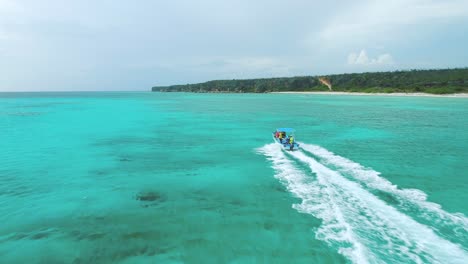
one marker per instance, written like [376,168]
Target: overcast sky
[133,45]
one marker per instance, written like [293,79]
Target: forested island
[443,81]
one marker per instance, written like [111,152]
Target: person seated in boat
[276,134]
[291,142]
[280,137]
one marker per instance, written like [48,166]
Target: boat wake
[357,221]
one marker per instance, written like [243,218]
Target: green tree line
[442,81]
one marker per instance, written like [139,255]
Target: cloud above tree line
[362,58]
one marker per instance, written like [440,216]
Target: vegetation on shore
[443,81]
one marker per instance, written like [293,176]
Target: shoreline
[459,95]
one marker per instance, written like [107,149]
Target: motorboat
[283,137]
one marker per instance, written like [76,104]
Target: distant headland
[440,81]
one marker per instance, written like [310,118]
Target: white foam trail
[364,228]
[409,197]
[373,220]
[319,202]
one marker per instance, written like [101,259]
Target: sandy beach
[459,95]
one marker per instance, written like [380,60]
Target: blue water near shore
[195,178]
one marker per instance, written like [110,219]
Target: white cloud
[385,59]
[363,59]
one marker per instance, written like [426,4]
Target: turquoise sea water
[195,178]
